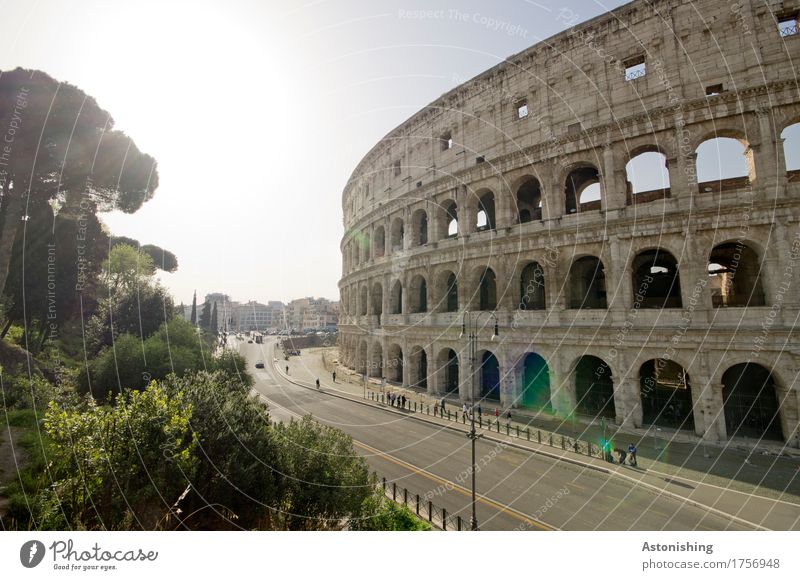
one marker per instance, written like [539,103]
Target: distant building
[312,313]
[253,315]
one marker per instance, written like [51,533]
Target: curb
[616,473]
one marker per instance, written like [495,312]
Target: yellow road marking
[462,490]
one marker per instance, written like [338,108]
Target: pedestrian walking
[508,416]
[464,409]
[632,453]
[442,405]
[317,384]
[403,401]
[334,376]
[480,412]
[621,455]
[287,369]
[496,414]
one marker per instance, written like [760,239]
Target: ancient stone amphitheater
[605,224]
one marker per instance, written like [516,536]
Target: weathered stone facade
[505,158]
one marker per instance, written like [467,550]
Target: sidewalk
[763,489]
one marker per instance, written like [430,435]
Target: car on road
[249,342]
[260,364]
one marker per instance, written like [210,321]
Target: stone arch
[656,280]
[361,357]
[536,392]
[394,363]
[751,404]
[376,297]
[485,217]
[418,368]
[734,272]
[446,291]
[418,294]
[447,370]
[419,227]
[448,219]
[594,387]
[724,161]
[376,360]
[532,287]
[379,242]
[647,173]
[529,200]
[396,298]
[487,290]
[666,394]
[582,189]
[398,234]
[489,375]
[362,300]
[791,149]
[587,283]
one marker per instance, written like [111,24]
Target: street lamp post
[467,324]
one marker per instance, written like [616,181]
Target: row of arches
[734,270]
[722,163]
[750,396]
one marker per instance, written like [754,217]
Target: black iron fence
[424,508]
[496,425]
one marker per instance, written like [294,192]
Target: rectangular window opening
[480,159]
[574,129]
[635,68]
[788,26]
[446,141]
[712,90]
[522,109]
[397,168]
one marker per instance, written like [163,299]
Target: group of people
[397,400]
[622,454]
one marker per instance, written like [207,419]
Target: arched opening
[648,177]
[582,189]
[419,368]
[419,223]
[419,294]
[536,383]
[354,251]
[751,403]
[376,361]
[377,299]
[362,301]
[361,359]
[487,290]
[448,360]
[353,302]
[394,364]
[734,277]
[791,151]
[446,292]
[594,388]
[529,201]
[398,234]
[587,283]
[531,282]
[656,282]
[452,293]
[490,376]
[396,298]
[724,163]
[379,242]
[449,219]
[486,216]
[666,395]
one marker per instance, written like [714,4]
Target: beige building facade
[512,203]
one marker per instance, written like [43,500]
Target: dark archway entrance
[594,388]
[751,403]
[536,383]
[666,395]
[490,377]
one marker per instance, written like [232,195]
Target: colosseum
[603,225]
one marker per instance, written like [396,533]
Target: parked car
[260,364]
[249,342]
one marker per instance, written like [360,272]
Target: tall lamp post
[469,328]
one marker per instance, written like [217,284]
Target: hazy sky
[257,112]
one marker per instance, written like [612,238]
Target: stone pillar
[553,203]
[628,402]
[467,213]
[510,383]
[562,391]
[612,184]
[683,167]
[467,381]
[767,166]
[709,413]
[623,298]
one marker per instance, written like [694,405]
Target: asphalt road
[517,489]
